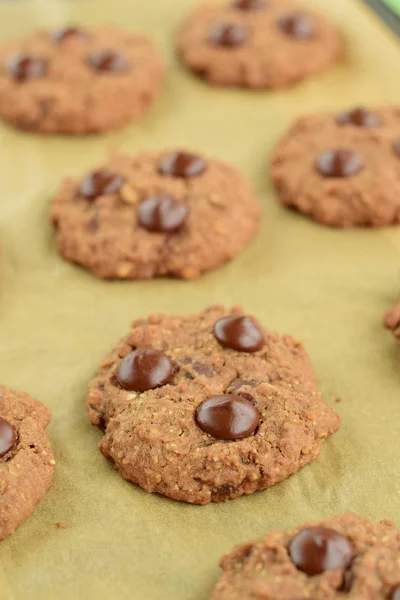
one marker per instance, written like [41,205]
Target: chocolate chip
[144,370]
[297,25]
[162,214]
[107,61]
[228,35]
[224,492]
[320,549]
[239,333]
[205,370]
[182,164]
[100,183]
[339,163]
[348,581]
[396,594]
[360,117]
[249,4]
[8,437]
[228,417]
[24,67]
[68,33]
[396,148]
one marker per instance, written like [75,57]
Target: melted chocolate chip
[249,4]
[23,67]
[360,117]
[107,61]
[8,437]
[239,333]
[228,417]
[100,183]
[297,25]
[396,594]
[144,370]
[228,35]
[320,549]
[339,163]
[68,33]
[396,148]
[162,214]
[182,164]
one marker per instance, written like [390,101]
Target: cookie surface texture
[26,459]
[155,214]
[257,44]
[76,80]
[208,407]
[342,169]
[345,557]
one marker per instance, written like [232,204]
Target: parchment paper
[327,287]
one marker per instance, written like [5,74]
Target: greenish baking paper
[327,287]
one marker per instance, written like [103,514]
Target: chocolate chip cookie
[391,321]
[159,213]
[346,556]
[26,458]
[78,80]
[342,169]
[257,43]
[208,407]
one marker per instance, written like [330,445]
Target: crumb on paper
[60,525]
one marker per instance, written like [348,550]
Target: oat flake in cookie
[26,458]
[342,169]
[78,80]
[170,213]
[208,407]
[345,557]
[257,43]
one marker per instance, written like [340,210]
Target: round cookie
[78,80]
[391,321]
[26,458]
[257,43]
[345,557]
[208,407]
[342,169]
[155,214]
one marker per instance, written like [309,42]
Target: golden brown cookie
[208,407]
[26,458]
[344,557]
[77,80]
[257,43]
[342,169]
[155,214]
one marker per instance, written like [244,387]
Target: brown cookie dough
[155,214]
[26,458]
[208,407]
[391,321]
[78,80]
[257,43]
[342,169]
[345,557]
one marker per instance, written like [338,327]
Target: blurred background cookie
[77,80]
[257,43]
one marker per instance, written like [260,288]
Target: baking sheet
[57,322]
